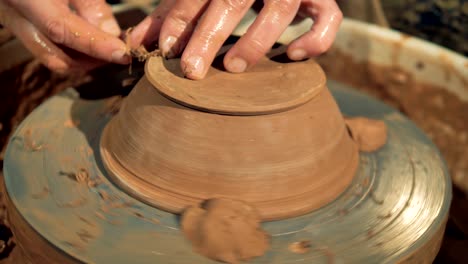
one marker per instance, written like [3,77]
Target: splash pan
[69,210]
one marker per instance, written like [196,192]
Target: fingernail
[110,26]
[194,67]
[120,56]
[56,64]
[167,47]
[237,65]
[298,54]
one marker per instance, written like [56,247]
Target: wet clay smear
[300,247]
[369,134]
[441,114]
[225,230]
[25,87]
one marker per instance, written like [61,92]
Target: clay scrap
[369,134]
[225,230]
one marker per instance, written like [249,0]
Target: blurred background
[444,22]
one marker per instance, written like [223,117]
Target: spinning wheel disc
[394,210]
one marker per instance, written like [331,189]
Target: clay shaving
[225,230]
[369,134]
[140,53]
[300,247]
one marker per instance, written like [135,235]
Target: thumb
[99,14]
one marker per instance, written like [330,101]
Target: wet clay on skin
[369,134]
[225,230]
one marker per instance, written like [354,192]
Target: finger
[273,19]
[46,52]
[218,22]
[327,19]
[81,62]
[147,32]
[63,27]
[98,13]
[179,25]
[41,48]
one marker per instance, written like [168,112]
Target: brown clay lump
[368,134]
[225,230]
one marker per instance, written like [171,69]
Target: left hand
[64,39]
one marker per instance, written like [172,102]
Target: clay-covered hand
[66,35]
[199,28]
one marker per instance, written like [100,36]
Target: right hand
[196,30]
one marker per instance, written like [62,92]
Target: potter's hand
[64,40]
[174,22]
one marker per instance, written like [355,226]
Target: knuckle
[237,5]
[256,48]
[55,30]
[92,48]
[335,13]
[55,65]
[338,15]
[96,6]
[286,7]
[87,3]
[208,37]
[322,47]
[180,19]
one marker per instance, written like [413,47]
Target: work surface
[84,93]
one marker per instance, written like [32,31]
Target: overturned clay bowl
[273,137]
[64,207]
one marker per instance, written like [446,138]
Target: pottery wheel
[69,210]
